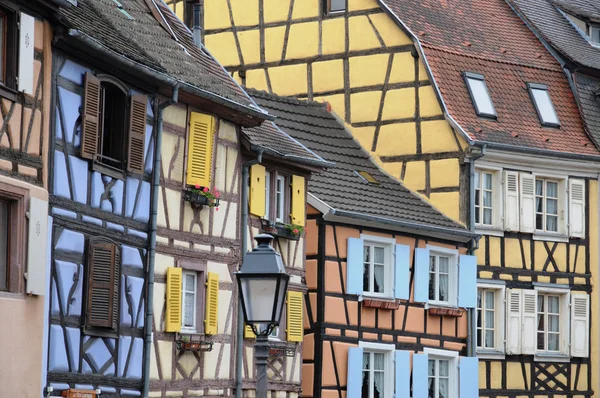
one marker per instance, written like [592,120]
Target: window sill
[491,231]
[7,294]
[8,93]
[543,357]
[490,354]
[109,171]
[544,236]
[440,305]
[191,332]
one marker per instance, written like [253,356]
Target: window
[335,6]
[114,125]
[480,96]
[595,35]
[546,205]
[548,325]
[483,198]
[377,267]
[280,199]
[103,277]
[9,50]
[490,318]
[191,295]
[4,244]
[367,177]
[543,104]
[377,370]
[439,278]
[277,197]
[12,242]
[442,373]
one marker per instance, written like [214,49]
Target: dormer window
[595,35]
[480,96]
[543,104]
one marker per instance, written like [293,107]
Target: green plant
[206,192]
[185,339]
[295,229]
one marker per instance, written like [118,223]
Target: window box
[452,312]
[198,200]
[193,345]
[386,305]
[279,230]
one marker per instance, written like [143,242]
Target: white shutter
[529,325]
[577,208]
[26,40]
[513,321]
[36,246]
[511,201]
[580,325]
[527,202]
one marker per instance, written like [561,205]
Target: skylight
[367,177]
[543,104]
[480,95]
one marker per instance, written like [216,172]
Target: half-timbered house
[388,276]
[118,66]
[25,90]
[483,123]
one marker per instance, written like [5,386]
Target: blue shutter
[401,274]
[421,270]
[419,376]
[402,374]
[355,360]
[354,266]
[468,379]
[467,282]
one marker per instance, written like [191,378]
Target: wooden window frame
[544,197]
[271,198]
[200,271]
[10,50]
[452,255]
[17,199]
[499,291]
[388,266]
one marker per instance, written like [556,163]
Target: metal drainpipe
[240,321]
[152,244]
[473,245]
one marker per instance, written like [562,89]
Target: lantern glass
[263,297]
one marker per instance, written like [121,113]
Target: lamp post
[262,284]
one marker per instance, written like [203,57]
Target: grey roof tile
[340,187]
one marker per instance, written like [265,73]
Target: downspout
[473,245]
[152,244]
[239,342]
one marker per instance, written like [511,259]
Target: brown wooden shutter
[137,133]
[103,285]
[90,127]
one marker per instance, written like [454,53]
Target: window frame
[271,178]
[499,290]
[200,310]
[10,51]
[452,358]
[559,204]
[479,207]
[452,255]
[564,293]
[477,76]
[542,87]
[388,245]
[17,198]
[591,29]
[389,373]
[326,4]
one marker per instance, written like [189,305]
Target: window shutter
[248,333]
[577,208]
[467,281]
[173,315]
[511,201]
[137,133]
[200,148]
[513,316]
[419,376]
[421,270]
[36,246]
[103,285]
[527,202]
[529,325]
[90,126]
[257,190]
[354,265]
[295,329]
[298,215]
[402,382]
[468,380]
[402,273]
[580,320]
[212,303]
[26,39]
[355,364]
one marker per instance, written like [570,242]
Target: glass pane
[487,216]
[379,255]
[478,337]
[544,106]
[443,264]
[432,287]
[487,181]
[366,360]
[188,310]
[489,338]
[431,367]
[262,290]
[551,223]
[552,342]
[489,300]
[540,341]
[541,323]
[551,189]
[539,205]
[431,388]
[479,297]
[553,325]
[479,318]
[489,319]
[443,288]
[481,97]
[3,245]
[487,199]
[367,251]
[539,187]
[551,206]
[541,303]
[366,279]
[190,283]
[553,302]
[477,182]
[432,264]
[444,365]
[338,5]
[378,286]
[378,361]
[477,216]
[365,385]
[443,388]
[539,220]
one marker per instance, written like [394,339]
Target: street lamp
[262,283]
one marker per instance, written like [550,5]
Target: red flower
[216,209]
[197,186]
[217,194]
[295,231]
[205,189]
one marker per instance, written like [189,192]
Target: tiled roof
[487,37]
[588,92]
[580,8]
[339,187]
[145,41]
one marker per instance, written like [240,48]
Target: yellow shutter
[298,201]
[257,190]
[212,304]
[200,146]
[248,333]
[173,315]
[295,329]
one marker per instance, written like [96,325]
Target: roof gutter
[534,151]
[164,78]
[466,234]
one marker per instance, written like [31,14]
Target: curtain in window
[379,269]
[188,300]
[444,378]
[378,365]
[365,375]
[443,270]
[489,318]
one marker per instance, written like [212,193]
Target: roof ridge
[282,98]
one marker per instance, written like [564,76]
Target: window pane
[443,288]
[553,325]
[190,282]
[552,189]
[489,319]
[366,360]
[3,245]
[552,342]
[553,302]
[477,182]
[365,384]
[379,255]
[478,337]
[487,181]
[489,300]
[443,264]
[540,341]
[481,97]
[539,187]
[366,278]
[188,310]
[552,223]
[379,278]
[489,338]
[444,364]
[551,206]
[338,5]
[539,221]
[443,385]
[431,367]
[595,34]
[378,361]
[544,106]
[487,199]
[479,298]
